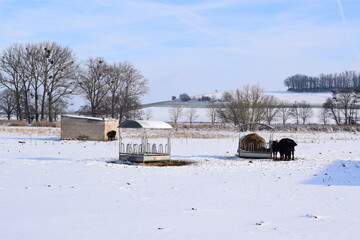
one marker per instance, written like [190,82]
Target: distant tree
[184,97]
[333,108]
[175,113]
[7,102]
[343,105]
[148,114]
[294,112]
[271,107]
[212,112]
[305,111]
[246,105]
[325,114]
[205,98]
[191,115]
[284,111]
[227,97]
[173,98]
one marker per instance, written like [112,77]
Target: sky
[196,46]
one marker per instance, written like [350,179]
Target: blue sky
[194,46]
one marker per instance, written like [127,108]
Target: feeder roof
[145,124]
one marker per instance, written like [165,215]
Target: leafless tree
[133,87]
[7,102]
[247,105]
[175,113]
[305,111]
[212,112]
[59,74]
[11,75]
[284,111]
[271,105]
[148,114]
[331,106]
[43,67]
[92,84]
[294,112]
[191,115]
[343,106]
[325,114]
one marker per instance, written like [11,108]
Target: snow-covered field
[162,113]
[52,189]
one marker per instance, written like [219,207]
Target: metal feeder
[144,150]
[252,150]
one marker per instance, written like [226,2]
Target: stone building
[87,128]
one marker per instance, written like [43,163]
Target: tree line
[38,79]
[251,104]
[323,82]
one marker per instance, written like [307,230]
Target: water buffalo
[111,135]
[286,147]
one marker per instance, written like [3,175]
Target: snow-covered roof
[145,124]
[90,118]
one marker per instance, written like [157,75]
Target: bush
[18,123]
[184,97]
[45,124]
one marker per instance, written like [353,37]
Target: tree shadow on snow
[31,138]
[338,173]
[44,159]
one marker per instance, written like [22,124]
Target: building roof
[90,118]
[145,124]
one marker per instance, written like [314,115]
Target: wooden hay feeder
[252,145]
[151,142]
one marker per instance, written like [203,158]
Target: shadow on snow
[338,173]
[31,138]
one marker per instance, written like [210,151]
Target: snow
[162,113]
[52,189]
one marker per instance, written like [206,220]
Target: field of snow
[162,113]
[52,189]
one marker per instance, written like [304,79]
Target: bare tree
[7,102]
[44,67]
[148,114]
[12,76]
[191,115]
[175,113]
[212,112]
[134,86]
[59,74]
[271,105]
[294,112]
[92,84]
[305,111]
[247,105]
[325,114]
[331,106]
[284,111]
[343,106]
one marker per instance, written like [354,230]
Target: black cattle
[286,147]
[111,135]
[275,148]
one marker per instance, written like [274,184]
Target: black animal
[111,135]
[286,147]
[275,148]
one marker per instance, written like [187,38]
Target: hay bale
[252,142]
